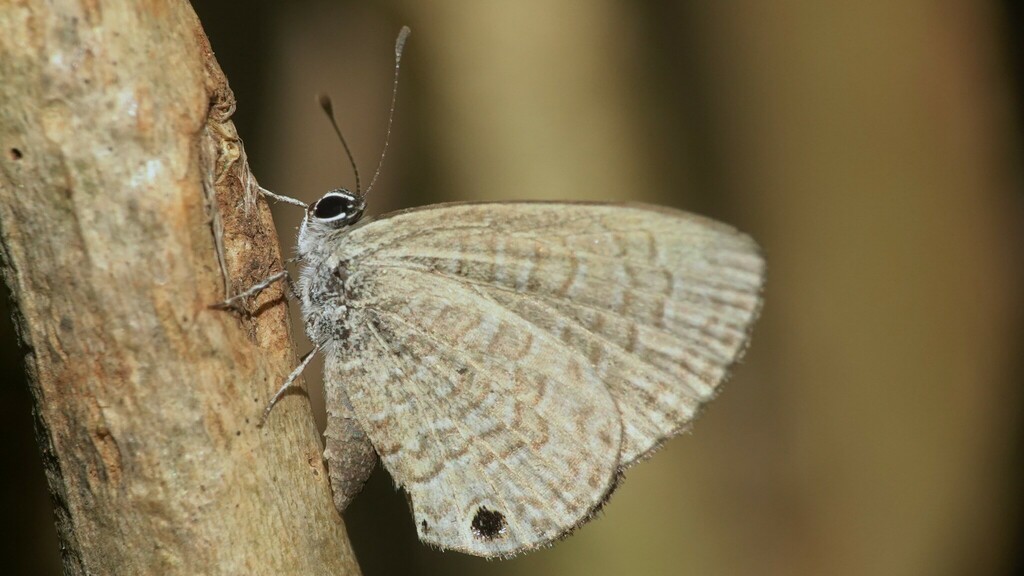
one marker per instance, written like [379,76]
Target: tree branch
[126,209]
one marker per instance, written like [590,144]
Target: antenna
[399,46]
[328,108]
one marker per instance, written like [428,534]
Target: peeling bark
[126,209]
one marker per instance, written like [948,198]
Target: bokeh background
[872,147]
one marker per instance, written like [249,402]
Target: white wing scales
[479,416]
[508,360]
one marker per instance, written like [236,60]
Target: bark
[126,209]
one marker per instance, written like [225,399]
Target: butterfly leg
[234,301]
[288,383]
[280,198]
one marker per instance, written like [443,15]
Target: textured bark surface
[126,209]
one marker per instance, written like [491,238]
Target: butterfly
[507,361]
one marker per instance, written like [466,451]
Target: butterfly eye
[338,207]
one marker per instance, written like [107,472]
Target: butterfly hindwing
[502,442]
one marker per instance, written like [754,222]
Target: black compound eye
[332,206]
[338,207]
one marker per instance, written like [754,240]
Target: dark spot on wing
[488,524]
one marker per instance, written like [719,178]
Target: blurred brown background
[873,148]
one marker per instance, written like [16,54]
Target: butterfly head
[334,211]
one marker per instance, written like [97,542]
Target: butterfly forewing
[508,360]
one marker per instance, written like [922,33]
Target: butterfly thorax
[324,302]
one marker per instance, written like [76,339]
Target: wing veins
[697,293]
[539,497]
[462,280]
[534,230]
[391,358]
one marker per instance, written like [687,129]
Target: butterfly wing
[508,360]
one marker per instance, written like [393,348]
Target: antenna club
[325,103]
[403,34]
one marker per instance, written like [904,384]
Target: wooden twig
[126,210]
